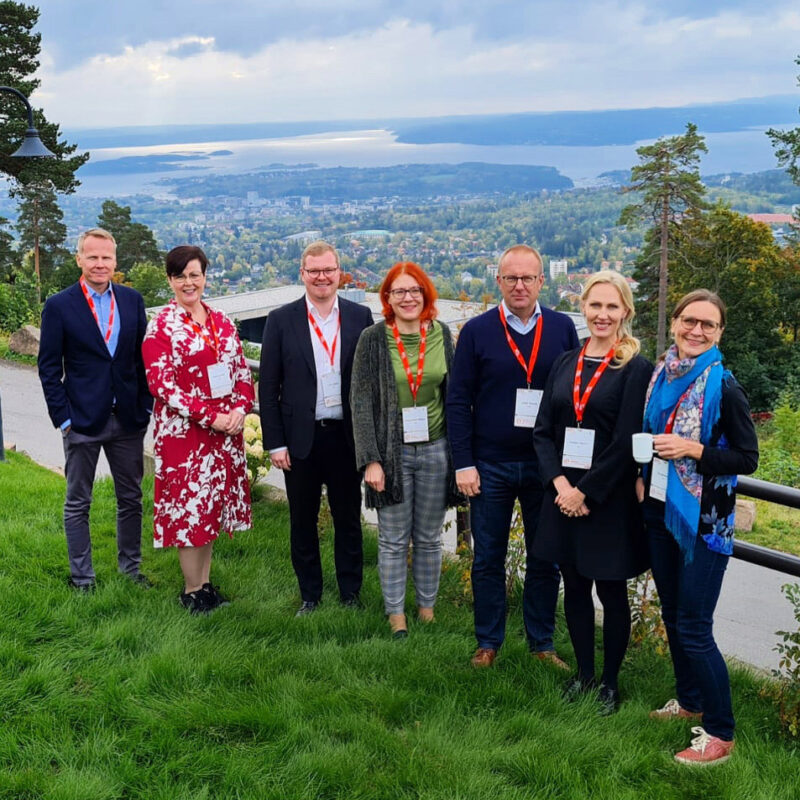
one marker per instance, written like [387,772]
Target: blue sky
[193,61]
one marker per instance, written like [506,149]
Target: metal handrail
[749,487]
[765,556]
[771,492]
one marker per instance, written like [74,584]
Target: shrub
[15,310]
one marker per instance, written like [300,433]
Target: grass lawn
[121,694]
[777,527]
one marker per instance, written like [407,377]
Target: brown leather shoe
[550,657]
[425,614]
[484,657]
[397,623]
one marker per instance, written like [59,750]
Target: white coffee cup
[643,447]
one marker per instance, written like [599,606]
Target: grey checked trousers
[418,520]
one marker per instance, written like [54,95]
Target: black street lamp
[32,145]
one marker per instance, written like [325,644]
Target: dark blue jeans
[689,594]
[501,485]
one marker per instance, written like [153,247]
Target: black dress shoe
[217,598]
[608,700]
[352,601]
[197,602]
[576,687]
[141,580]
[307,607]
[82,587]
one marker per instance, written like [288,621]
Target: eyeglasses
[690,323]
[399,294]
[315,273]
[194,277]
[511,280]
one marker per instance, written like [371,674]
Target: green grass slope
[121,694]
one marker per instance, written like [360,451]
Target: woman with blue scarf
[703,438]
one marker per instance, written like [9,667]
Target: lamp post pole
[31,147]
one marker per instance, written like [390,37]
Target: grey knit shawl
[377,418]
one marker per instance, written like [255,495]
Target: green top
[435,370]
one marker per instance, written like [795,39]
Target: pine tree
[669,182]
[19,54]
[787,145]
[41,230]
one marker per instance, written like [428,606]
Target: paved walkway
[750,610]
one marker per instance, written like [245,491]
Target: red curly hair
[429,294]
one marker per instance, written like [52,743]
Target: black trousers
[331,462]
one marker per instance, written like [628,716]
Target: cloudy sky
[154,62]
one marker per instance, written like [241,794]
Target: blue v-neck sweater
[482,388]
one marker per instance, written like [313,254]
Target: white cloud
[615,55]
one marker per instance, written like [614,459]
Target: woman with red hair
[397,396]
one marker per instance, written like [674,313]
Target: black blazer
[80,378]
[287,384]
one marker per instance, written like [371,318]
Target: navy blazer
[80,378]
[287,381]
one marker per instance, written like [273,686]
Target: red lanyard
[94,312]
[671,418]
[412,384]
[537,338]
[578,402]
[201,331]
[330,351]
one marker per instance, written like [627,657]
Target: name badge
[658,479]
[415,425]
[578,448]
[527,408]
[219,380]
[332,389]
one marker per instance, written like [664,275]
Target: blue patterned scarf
[702,378]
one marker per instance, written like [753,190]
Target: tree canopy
[787,145]
[739,259]
[19,60]
[669,185]
[136,243]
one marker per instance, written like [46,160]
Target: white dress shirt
[330,328]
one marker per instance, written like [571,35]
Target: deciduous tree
[739,259]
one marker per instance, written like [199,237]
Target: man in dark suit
[90,366]
[304,389]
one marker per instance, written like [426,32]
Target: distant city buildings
[558,267]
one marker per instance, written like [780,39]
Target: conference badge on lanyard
[219,375]
[579,441]
[526,408]
[219,380]
[659,469]
[415,419]
[331,381]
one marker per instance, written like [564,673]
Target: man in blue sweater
[501,365]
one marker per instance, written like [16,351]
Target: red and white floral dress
[201,482]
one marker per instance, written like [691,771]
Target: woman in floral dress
[203,389]
[704,437]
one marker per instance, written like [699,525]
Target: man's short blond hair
[317,249]
[100,233]
[521,248]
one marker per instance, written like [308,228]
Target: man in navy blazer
[90,366]
[304,390]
